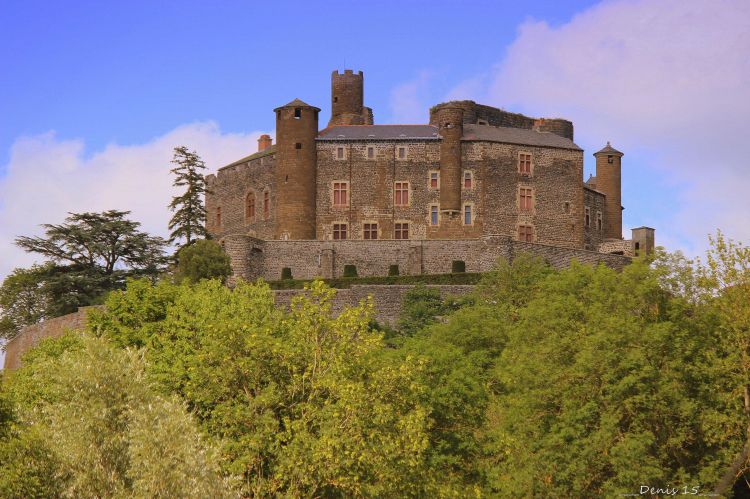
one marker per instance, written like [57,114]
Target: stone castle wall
[30,336]
[253,258]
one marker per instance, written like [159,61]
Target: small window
[610,159]
[340,231]
[335,99]
[525,199]
[468,180]
[434,217]
[218,216]
[340,154]
[526,233]
[370,152]
[468,220]
[401,153]
[266,204]
[250,206]
[370,231]
[566,207]
[298,145]
[297,113]
[524,163]
[637,248]
[434,180]
[401,194]
[587,217]
[598,220]
[340,194]
[401,230]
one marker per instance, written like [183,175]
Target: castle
[474,184]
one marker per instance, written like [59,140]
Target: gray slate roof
[517,136]
[379,132]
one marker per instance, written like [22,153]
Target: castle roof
[520,136]
[379,132]
[608,149]
[296,103]
[266,152]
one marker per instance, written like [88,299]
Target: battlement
[347,72]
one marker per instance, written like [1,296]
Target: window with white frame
[340,152]
[434,215]
[370,231]
[340,194]
[524,163]
[340,231]
[401,194]
[401,230]
[434,180]
[468,214]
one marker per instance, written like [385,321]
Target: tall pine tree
[188,221]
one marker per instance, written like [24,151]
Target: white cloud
[409,101]
[668,81]
[48,177]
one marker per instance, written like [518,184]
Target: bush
[350,271]
[468,278]
[458,266]
[203,259]
[393,270]
[286,273]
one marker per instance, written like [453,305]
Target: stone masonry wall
[386,299]
[30,336]
[593,234]
[253,258]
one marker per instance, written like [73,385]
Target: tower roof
[296,103]
[608,149]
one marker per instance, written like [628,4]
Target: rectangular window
[587,217]
[250,206]
[218,216]
[598,220]
[467,215]
[525,199]
[339,231]
[526,233]
[339,153]
[297,113]
[524,163]
[370,231]
[401,152]
[370,152]
[340,194]
[266,204]
[468,180]
[434,214]
[401,231]
[434,180]
[401,194]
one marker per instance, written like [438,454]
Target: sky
[94,95]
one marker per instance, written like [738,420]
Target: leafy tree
[86,411]
[204,259]
[24,299]
[90,254]
[188,221]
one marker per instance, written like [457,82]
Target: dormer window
[297,113]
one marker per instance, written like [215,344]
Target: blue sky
[94,95]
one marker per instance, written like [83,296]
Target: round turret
[609,182]
[295,170]
[449,121]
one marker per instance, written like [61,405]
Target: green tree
[24,299]
[189,219]
[86,411]
[90,254]
[204,259]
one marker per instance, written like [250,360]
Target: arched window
[250,206]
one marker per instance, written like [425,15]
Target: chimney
[264,142]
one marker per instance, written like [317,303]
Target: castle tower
[296,165]
[347,99]
[608,181]
[450,122]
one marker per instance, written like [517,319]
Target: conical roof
[296,103]
[608,149]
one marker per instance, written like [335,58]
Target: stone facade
[474,173]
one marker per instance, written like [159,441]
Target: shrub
[393,270]
[203,259]
[350,271]
[458,266]
[286,273]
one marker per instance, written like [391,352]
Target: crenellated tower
[608,181]
[295,171]
[347,99]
